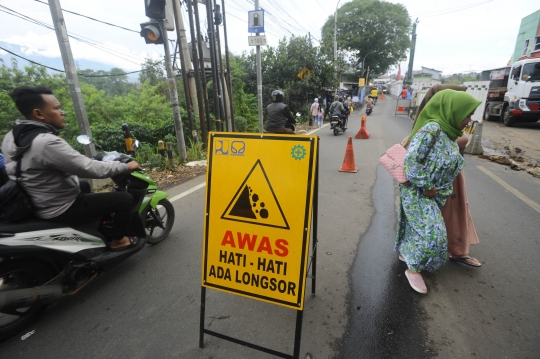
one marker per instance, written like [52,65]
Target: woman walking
[457,216]
[432,163]
[321,114]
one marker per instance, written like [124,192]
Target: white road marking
[514,191]
[189,191]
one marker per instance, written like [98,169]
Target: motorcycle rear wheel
[336,130]
[21,275]
[161,219]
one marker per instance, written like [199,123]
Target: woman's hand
[430,192]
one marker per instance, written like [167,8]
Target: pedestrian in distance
[314,112]
[404,93]
[457,216]
[321,115]
[431,164]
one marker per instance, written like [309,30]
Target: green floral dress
[432,160]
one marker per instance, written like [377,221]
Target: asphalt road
[149,306]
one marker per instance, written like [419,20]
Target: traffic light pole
[174,95]
[71,73]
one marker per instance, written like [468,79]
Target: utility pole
[411,58]
[224,98]
[215,76]
[335,41]
[229,84]
[184,54]
[259,80]
[71,73]
[174,94]
[200,88]
[201,61]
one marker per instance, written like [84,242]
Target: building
[426,78]
[528,39]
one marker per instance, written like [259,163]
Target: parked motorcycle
[43,261]
[336,124]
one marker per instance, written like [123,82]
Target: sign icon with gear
[298,152]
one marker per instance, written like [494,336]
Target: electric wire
[77,37]
[456,9]
[91,18]
[80,74]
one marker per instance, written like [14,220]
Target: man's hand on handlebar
[133,166]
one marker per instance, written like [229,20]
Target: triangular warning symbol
[255,202]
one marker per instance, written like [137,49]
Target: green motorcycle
[156,212]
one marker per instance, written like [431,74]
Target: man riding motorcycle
[280,119]
[337,109]
[50,168]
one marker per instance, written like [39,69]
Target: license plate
[333,122]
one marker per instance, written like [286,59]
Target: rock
[196,163]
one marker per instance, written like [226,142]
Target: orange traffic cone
[363,133]
[349,165]
[382,96]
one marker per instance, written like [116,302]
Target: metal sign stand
[299,313]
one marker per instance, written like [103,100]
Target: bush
[241,123]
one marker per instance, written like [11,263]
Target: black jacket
[278,115]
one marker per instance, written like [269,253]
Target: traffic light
[151,32]
[155,9]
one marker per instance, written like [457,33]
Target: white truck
[521,100]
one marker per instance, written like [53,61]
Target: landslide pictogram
[255,201]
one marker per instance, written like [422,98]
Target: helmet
[278,95]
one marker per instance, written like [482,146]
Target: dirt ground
[517,147]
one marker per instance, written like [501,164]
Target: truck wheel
[508,119]
[487,116]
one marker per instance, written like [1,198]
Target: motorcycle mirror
[84,140]
[136,144]
[298,114]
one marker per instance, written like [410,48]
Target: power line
[459,8]
[80,38]
[84,75]
[91,18]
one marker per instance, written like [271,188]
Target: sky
[452,36]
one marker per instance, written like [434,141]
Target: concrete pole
[71,73]
[174,95]
[411,57]
[259,80]
[201,61]
[335,42]
[223,85]
[186,63]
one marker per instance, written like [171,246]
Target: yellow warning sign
[304,72]
[258,210]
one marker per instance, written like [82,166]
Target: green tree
[370,25]
[114,82]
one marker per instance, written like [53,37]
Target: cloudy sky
[452,36]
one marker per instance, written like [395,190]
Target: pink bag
[393,161]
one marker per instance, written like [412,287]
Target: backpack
[15,204]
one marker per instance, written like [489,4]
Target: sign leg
[298,334]
[315,223]
[203,307]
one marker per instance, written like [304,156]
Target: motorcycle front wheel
[158,221]
[21,275]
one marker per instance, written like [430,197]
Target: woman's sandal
[467,260]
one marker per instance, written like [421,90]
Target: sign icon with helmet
[256,21]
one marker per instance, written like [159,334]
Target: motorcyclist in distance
[50,168]
[347,112]
[279,117]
